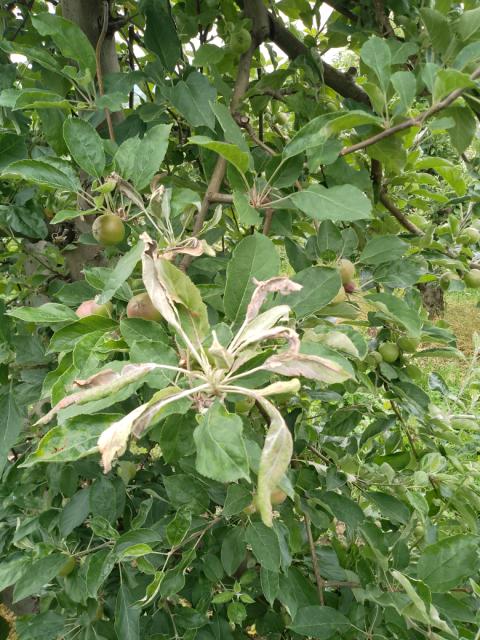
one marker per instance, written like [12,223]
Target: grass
[463,318]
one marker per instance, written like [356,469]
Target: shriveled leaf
[130,373]
[112,443]
[276,454]
[313,367]
[282,285]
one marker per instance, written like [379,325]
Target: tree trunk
[433,299]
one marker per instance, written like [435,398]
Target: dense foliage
[214,251]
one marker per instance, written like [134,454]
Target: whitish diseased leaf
[221,452]
[258,327]
[113,441]
[282,386]
[156,289]
[313,367]
[280,284]
[130,373]
[276,454]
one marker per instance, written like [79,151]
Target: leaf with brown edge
[130,373]
[313,367]
[278,284]
[274,460]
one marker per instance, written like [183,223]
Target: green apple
[141,306]
[472,279]
[389,351]
[240,41]
[108,229]
[408,344]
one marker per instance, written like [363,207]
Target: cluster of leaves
[264,459]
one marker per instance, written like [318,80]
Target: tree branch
[256,11]
[411,122]
[98,53]
[401,217]
[342,83]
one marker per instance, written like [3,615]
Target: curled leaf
[190,246]
[223,358]
[113,441]
[313,367]
[104,377]
[97,390]
[155,288]
[258,327]
[274,460]
[282,386]
[278,284]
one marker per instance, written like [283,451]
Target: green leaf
[72,441]
[238,498]
[37,575]
[122,271]
[343,508]
[231,130]
[375,53]
[39,99]
[320,286]
[311,135]
[254,257]
[12,148]
[11,421]
[397,311]
[448,80]
[382,249]
[208,54]
[265,545]
[319,622]
[99,568]
[193,98]
[48,313]
[70,39]
[468,24]
[69,214]
[240,159]
[74,512]
[85,146]
[11,570]
[178,528]
[246,214]
[270,584]
[139,159]
[405,84]
[438,27]
[40,172]
[23,221]
[390,507]
[449,562]
[465,127]
[127,615]
[233,550]
[221,452]
[66,338]
[344,203]
[161,34]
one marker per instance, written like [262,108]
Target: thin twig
[401,217]
[98,54]
[411,122]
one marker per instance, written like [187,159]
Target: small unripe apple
[240,41]
[278,496]
[472,234]
[108,229]
[244,405]
[389,351]
[373,359]
[67,568]
[347,270]
[446,278]
[91,308]
[350,287]
[472,279]
[407,344]
[140,306]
